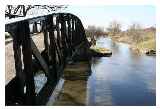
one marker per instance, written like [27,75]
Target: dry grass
[148,41]
[147,45]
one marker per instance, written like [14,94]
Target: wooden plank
[39,57]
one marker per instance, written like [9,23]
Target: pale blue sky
[126,15]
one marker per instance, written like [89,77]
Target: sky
[126,15]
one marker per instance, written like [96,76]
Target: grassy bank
[146,42]
[146,45]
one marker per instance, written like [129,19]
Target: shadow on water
[126,78]
[73,93]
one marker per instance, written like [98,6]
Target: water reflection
[40,80]
[73,93]
[126,78]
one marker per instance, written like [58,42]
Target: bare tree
[135,31]
[94,31]
[91,30]
[114,28]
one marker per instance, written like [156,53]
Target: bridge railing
[63,33]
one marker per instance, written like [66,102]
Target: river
[125,78]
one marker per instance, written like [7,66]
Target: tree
[91,30]
[135,31]
[114,28]
[99,31]
[94,31]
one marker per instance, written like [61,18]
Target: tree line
[135,31]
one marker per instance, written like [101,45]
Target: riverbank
[144,46]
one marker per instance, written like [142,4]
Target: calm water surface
[125,78]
